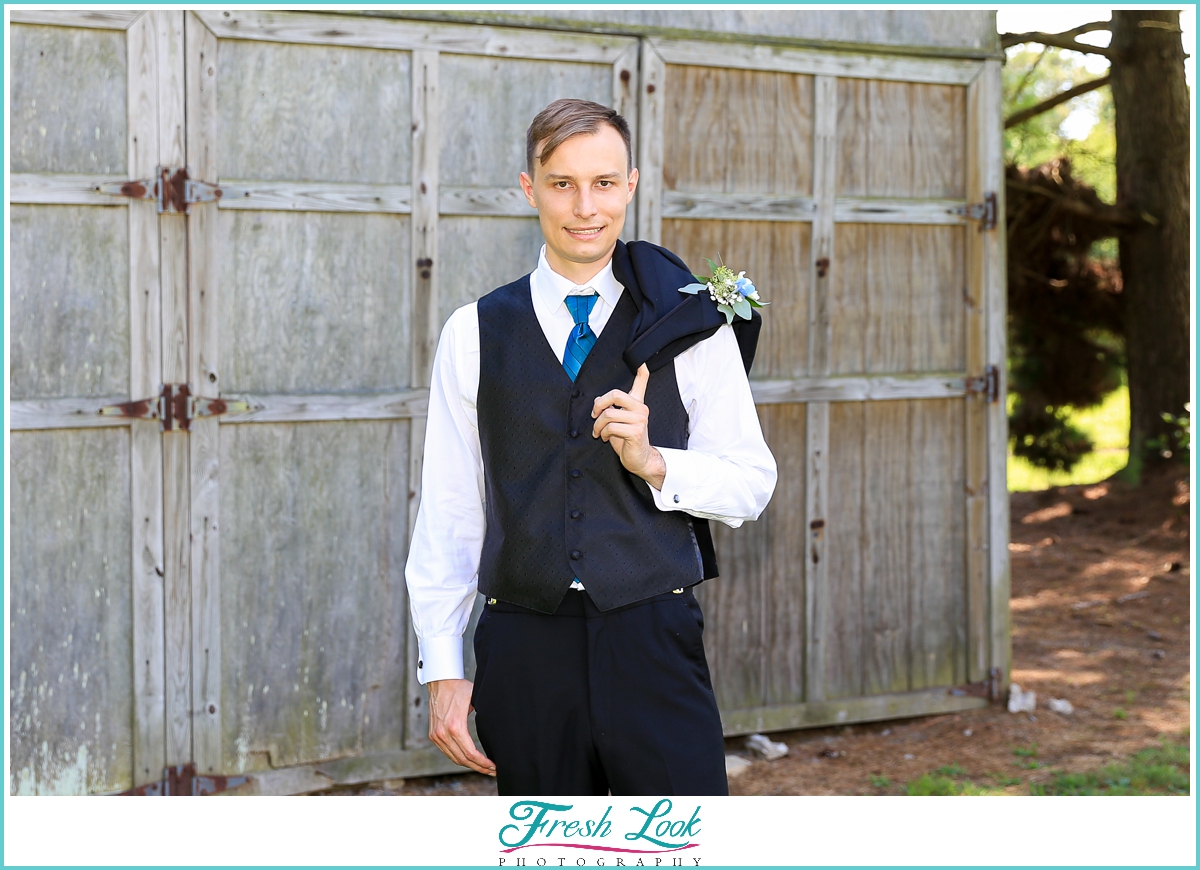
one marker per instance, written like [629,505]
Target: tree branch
[1062,40]
[1057,100]
[1104,214]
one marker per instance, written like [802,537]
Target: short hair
[563,119]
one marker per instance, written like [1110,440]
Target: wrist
[655,470]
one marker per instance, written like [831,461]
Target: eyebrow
[558,176]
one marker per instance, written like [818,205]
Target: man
[575,495]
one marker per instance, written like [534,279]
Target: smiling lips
[584,232]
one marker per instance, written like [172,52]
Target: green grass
[1120,713]
[1108,426]
[1155,771]
[880,781]
[933,785]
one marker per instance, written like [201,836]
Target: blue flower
[743,285]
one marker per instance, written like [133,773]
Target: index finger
[638,390]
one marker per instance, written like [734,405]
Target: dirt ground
[1101,615]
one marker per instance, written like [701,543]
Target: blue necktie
[582,339]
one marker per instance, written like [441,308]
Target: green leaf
[742,307]
[712,267]
[728,312]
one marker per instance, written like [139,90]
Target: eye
[605,183]
[562,185]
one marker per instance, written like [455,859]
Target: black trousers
[584,702]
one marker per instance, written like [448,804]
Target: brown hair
[563,119]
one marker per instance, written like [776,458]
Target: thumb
[638,390]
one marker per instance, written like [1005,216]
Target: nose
[585,204]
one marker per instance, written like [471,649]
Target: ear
[633,180]
[527,188]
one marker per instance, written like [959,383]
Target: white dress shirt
[726,474]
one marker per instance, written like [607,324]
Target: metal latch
[985,212]
[175,406]
[181,780]
[171,189]
[986,384]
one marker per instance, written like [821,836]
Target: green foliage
[1106,425]
[878,780]
[1163,769]
[1004,781]
[1177,442]
[1119,713]
[933,785]
[1029,751]
[950,770]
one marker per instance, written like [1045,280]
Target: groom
[585,423]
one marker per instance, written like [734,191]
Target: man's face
[580,194]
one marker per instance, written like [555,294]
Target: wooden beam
[317,196]
[858,388]
[204,375]
[32,188]
[145,376]
[844,711]
[625,101]
[736,206]
[877,210]
[372,767]
[317,29]
[651,106]
[774,58]
[816,484]
[99,19]
[996,350]
[485,201]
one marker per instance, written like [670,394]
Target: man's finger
[618,398]
[615,415]
[638,390]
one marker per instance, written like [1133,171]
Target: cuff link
[420,665]
[676,498]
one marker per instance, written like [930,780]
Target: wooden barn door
[368,170]
[96,288]
[842,184]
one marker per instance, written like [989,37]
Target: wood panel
[844,604]
[71,613]
[310,599]
[314,302]
[897,139]
[896,302]
[69,298]
[486,105]
[737,131]
[67,103]
[776,257]
[102,19]
[481,254]
[32,188]
[285,113]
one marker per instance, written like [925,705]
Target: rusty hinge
[171,189]
[989,688]
[985,212]
[175,406]
[986,385]
[182,780]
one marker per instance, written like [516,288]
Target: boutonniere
[734,294]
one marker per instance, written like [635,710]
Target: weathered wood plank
[69,302]
[785,583]
[816,505]
[486,107]
[859,389]
[146,458]
[775,256]
[843,711]
[695,147]
[625,100]
[307,558]
[735,613]
[203,374]
[72,683]
[493,201]
[844,549]
[67,100]
[313,302]
[480,254]
[876,210]
[256,195]
[988,138]
[886,557]
[100,19]
[30,188]
[416,716]
[776,58]
[315,407]
[330,113]
[73,413]
[737,206]
[936,518]
[651,130]
[316,29]
[368,767]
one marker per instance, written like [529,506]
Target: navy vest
[559,503]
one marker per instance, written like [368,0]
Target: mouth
[584,233]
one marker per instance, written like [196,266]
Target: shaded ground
[1101,617]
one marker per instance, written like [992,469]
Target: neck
[578,273]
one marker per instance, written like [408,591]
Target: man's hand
[449,704]
[621,420]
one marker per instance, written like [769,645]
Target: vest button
[575,394]
[575,554]
[575,472]
[574,515]
[574,433]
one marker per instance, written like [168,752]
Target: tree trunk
[1153,161]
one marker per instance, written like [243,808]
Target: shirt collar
[553,287]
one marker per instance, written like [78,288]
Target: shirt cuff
[439,658]
[686,484]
